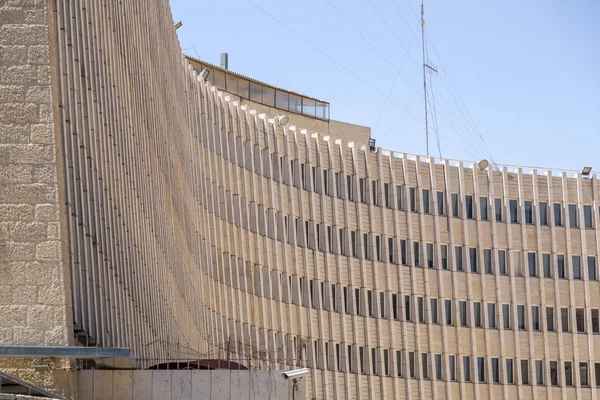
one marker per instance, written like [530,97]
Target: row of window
[308,178]
[397,306]
[327,238]
[388,362]
[354,358]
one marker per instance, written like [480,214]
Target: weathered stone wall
[34,286]
[33,297]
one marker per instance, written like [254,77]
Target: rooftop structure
[303,111]
[263,93]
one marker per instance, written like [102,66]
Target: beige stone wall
[34,288]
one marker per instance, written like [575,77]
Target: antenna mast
[425,66]
[424,79]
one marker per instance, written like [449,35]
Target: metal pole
[228,353]
[424,79]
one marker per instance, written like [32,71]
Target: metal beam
[65,351]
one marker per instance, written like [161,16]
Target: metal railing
[513,168]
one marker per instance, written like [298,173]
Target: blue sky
[517,81]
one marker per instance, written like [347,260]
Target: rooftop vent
[224,60]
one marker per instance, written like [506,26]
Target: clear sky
[524,75]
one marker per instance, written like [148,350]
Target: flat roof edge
[228,71]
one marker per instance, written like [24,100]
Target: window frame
[483,208]
[573,217]
[514,211]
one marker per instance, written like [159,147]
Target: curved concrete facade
[197,228]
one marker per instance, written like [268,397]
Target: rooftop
[261,92]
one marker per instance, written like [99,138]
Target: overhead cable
[405,110]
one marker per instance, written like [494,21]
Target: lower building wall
[186,385]
[60,380]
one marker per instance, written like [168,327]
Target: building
[144,208]
[305,111]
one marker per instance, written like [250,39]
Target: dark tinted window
[473,259]
[483,208]
[539,372]
[495,370]
[462,308]
[440,203]
[399,195]
[444,251]
[528,212]
[576,261]
[535,318]
[420,309]
[487,261]
[416,254]
[498,208]
[514,217]
[564,317]
[521,317]
[587,216]
[568,373]
[543,213]
[454,205]
[448,309]
[509,371]
[546,266]
[491,315]
[434,311]
[458,258]
[467,368]
[452,367]
[469,207]
[438,366]
[426,201]
[595,321]
[480,369]
[560,266]
[580,320]
[532,264]
[557,214]
[573,216]
[550,319]
[554,373]
[502,262]
[477,314]
[583,374]
[506,316]
[429,250]
[525,372]
[592,276]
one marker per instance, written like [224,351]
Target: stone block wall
[33,307]
[34,296]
